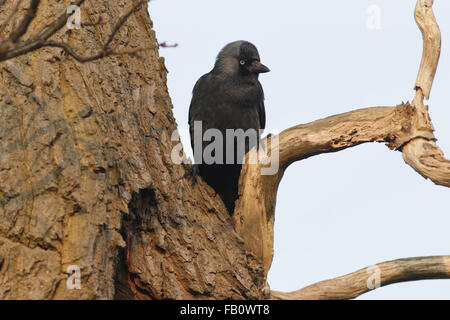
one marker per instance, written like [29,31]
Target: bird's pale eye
[242,62]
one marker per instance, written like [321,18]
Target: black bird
[228,97]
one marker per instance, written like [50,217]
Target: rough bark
[86,177]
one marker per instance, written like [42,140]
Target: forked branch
[422,153]
[11,47]
[406,128]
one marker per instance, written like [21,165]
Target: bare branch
[431,35]
[56,25]
[406,128]
[104,53]
[17,33]
[354,284]
[164,44]
[35,42]
[40,39]
[254,212]
[423,154]
[11,15]
[23,26]
[106,50]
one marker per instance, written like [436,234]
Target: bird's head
[239,57]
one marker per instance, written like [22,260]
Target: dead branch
[422,154]
[406,128]
[355,284]
[105,52]
[254,213]
[10,48]
[23,26]
[164,44]
[11,15]
[423,14]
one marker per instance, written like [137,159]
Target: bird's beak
[258,67]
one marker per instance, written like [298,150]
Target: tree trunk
[87,182]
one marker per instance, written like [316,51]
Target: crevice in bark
[122,289]
[141,208]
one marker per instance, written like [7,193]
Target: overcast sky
[339,212]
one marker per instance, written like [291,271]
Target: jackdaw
[228,97]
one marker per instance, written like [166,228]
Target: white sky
[336,213]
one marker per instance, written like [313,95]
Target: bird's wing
[194,96]
[195,106]
[262,115]
[262,109]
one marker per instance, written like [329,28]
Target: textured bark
[87,179]
[86,176]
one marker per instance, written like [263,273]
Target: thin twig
[104,53]
[41,38]
[165,45]
[25,23]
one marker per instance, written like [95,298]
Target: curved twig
[431,36]
[25,23]
[103,53]
[354,284]
[11,15]
[9,49]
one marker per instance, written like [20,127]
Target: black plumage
[228,97]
